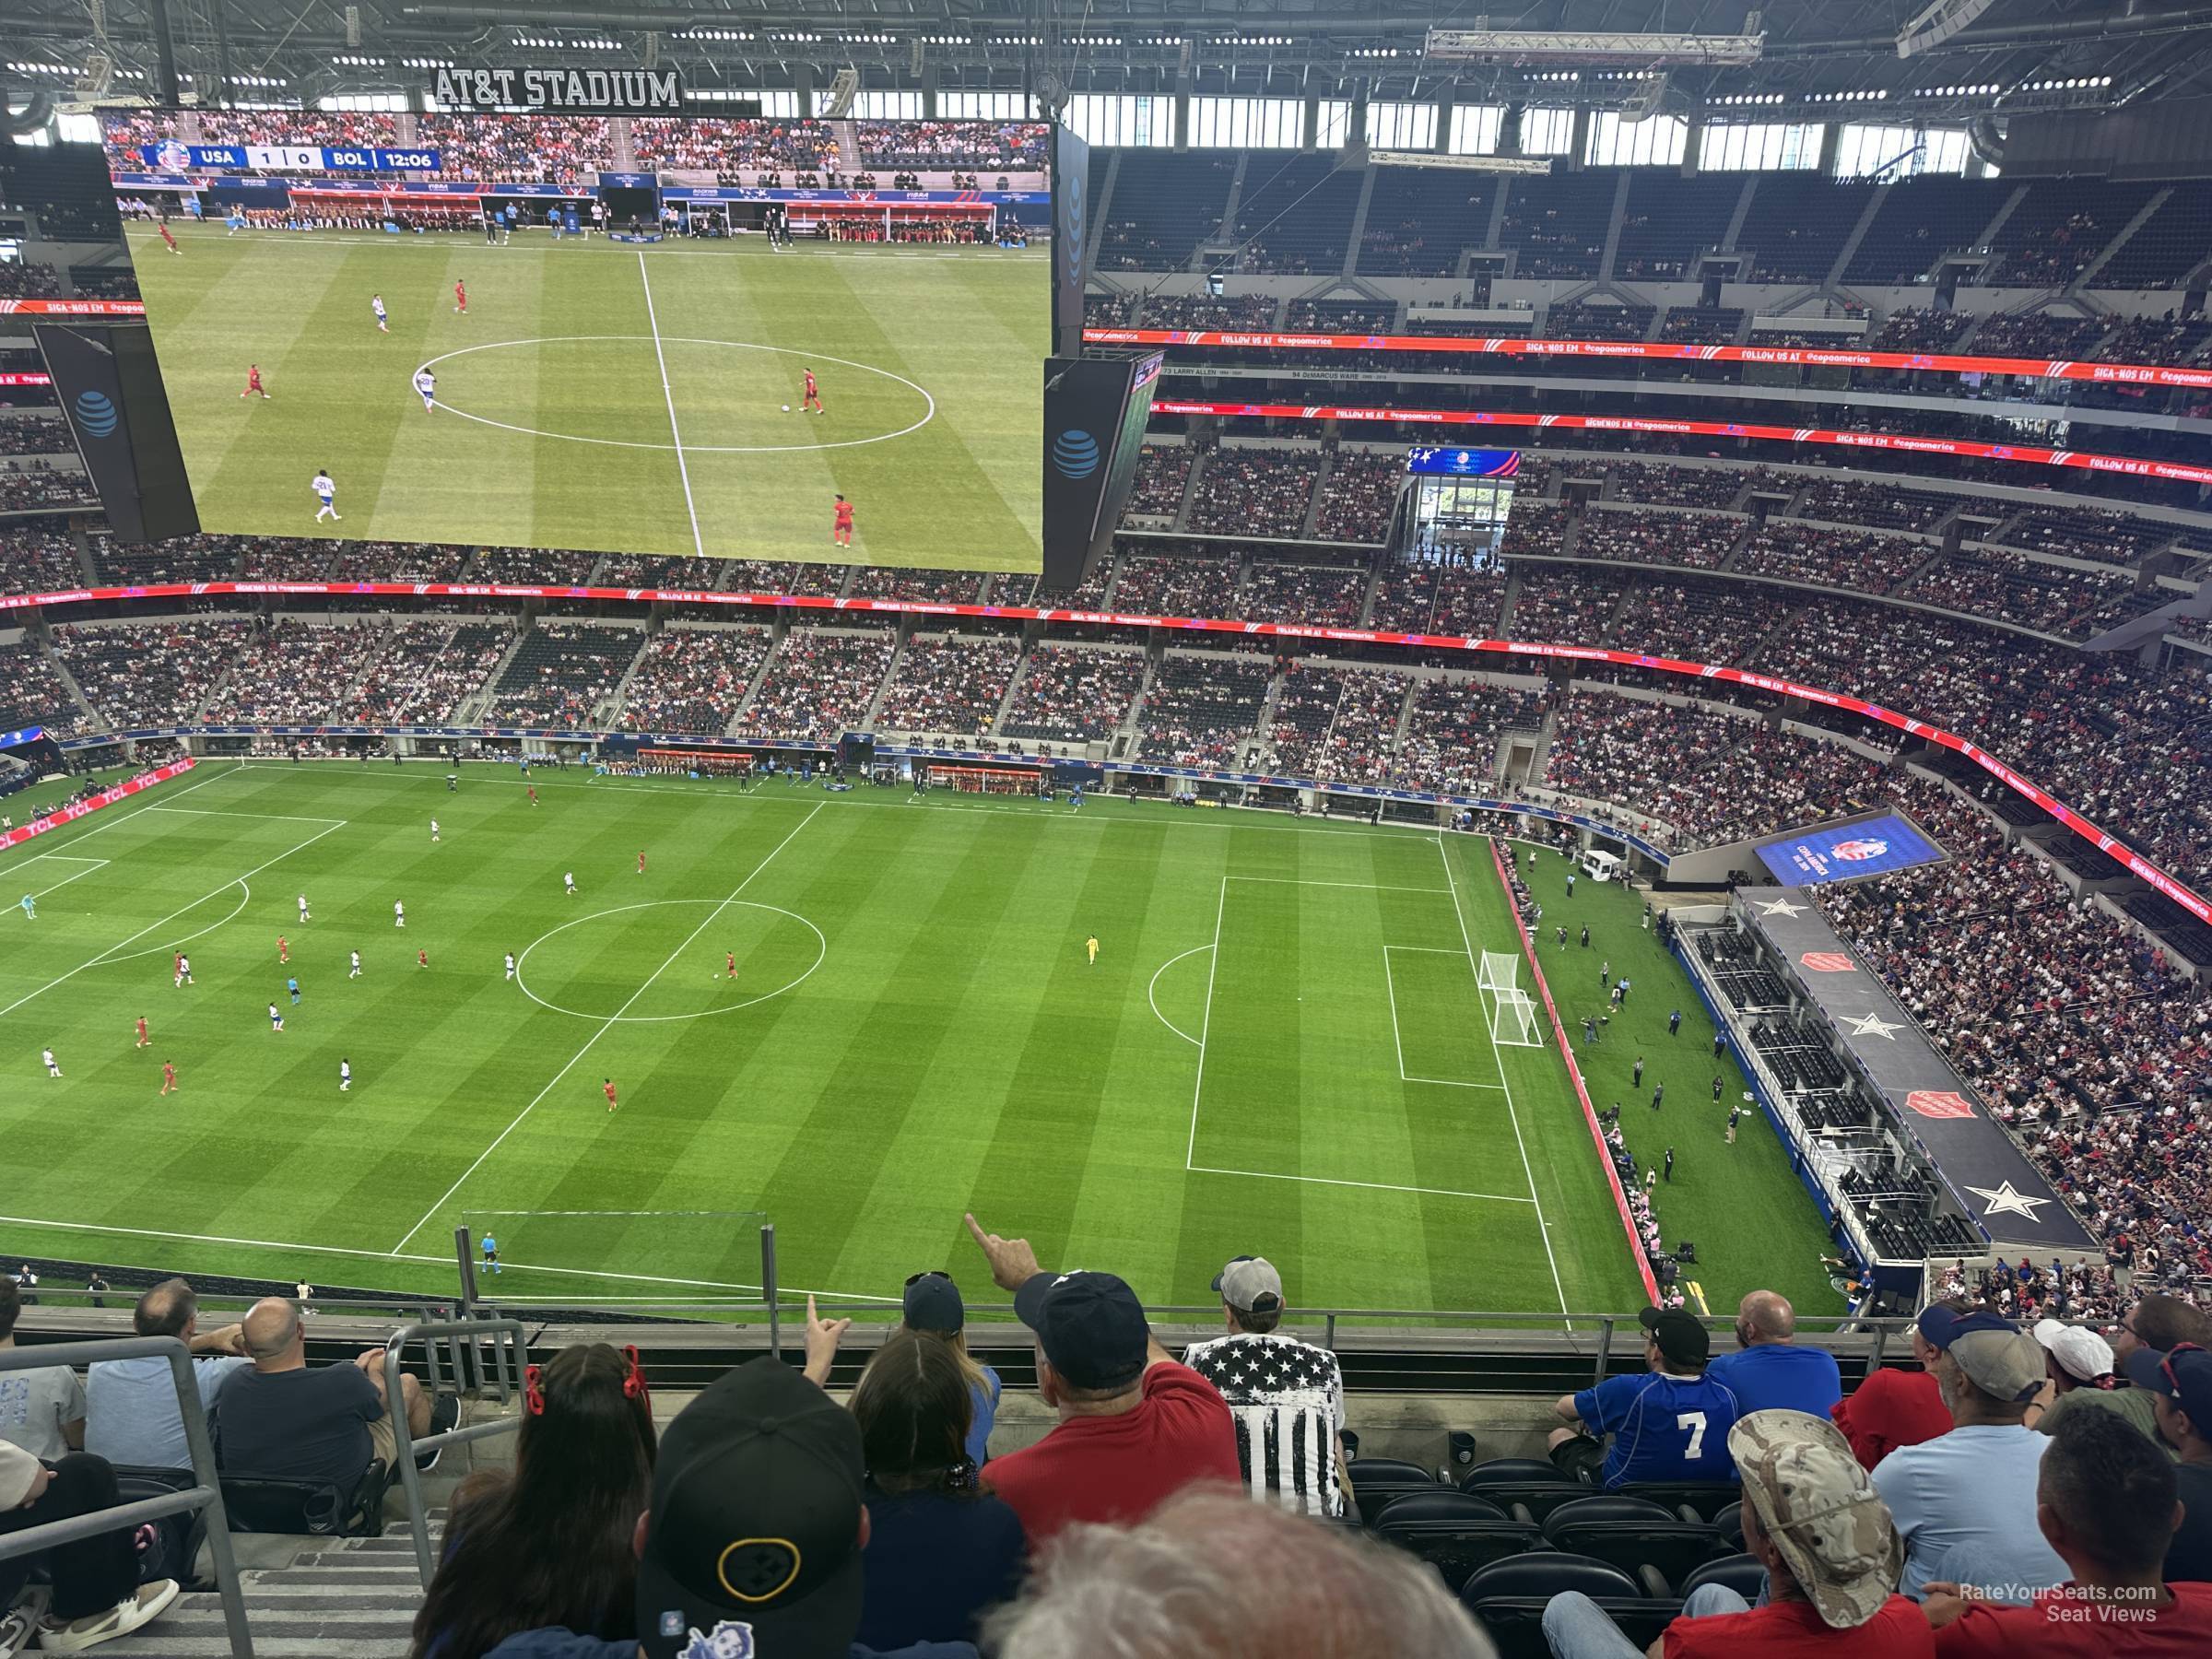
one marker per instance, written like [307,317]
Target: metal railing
[204,1493]
[506,1347]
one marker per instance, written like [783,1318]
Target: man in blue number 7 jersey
[1671,1423]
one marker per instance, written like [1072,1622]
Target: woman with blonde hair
[934,1309]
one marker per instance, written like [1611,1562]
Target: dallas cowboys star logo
[2005,1200]
[1779,906]
[1874,1025]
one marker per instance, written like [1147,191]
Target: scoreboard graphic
[1846,852]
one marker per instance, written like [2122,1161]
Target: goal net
[1513,1020]
[1501,970]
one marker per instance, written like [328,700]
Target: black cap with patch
[753,1548]
[1681,1339]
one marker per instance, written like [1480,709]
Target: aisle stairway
[346,1598]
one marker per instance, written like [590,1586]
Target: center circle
[770,948]
[928,403]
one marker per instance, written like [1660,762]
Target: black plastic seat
[1512,1471]
[1508,1597]
[1378,1482]
[1635,1534]
[1456,1533]
[1515,1623]
[254,1503]
[1741,1573]
[1708,1498]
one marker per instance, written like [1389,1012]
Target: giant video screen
[729,338]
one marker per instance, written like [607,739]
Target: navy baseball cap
[1942,1327]
[1090,1325]
[2182,1374]
[933,1303]
[1996,1356]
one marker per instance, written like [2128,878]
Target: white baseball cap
[2085,1355]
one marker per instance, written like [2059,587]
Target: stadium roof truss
[1838,60]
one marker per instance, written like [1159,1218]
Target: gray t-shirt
[35,1403]
[132,1417]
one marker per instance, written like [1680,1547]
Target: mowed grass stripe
[954,1049]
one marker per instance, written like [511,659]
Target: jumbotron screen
[667,335]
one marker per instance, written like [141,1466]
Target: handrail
[405,1446]
[204,1493]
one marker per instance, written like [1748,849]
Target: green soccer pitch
[610,396]
[1280,1049]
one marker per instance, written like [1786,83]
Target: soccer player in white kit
[345,1076]
[399,913]
[52,1067]
[376,304]
[327,493]
[433,829]
[356,972]
[426,383]
[303,915]
[511,964]
[569,879]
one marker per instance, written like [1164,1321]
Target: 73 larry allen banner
[562,92]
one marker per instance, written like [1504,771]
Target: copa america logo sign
[172,157]
[1857,852]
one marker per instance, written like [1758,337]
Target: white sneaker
[121,1619]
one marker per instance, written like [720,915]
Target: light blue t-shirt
[1778,1376]
[986,1413]
[1972,1487]
[1664,1428]
[131,1416]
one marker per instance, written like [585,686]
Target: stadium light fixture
[1524,46]
[1491,164]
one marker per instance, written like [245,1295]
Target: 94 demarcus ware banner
[572,91]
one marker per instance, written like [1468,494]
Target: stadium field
[1280,1050]
[610,396]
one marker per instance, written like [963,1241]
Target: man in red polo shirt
[1895,1407]
[1135,1425]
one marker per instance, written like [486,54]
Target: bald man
[287,1421]
[1770,1371]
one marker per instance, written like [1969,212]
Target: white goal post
[1513,1012]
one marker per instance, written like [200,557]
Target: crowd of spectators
[1698,541]
[37,556]
[27,279]
[1878,506]
[2035,334]
[531,567]
[1644,755]
[1660,485]
[1163,472]
[1452,729]
[561,674]
[688,575]
[1154,585]
[731,144]
[2087,533]
[693,679]
[920,586]
[2012,587]
[1332,722]
[1561,604]
[29,486]
[1357,495]
[1316,596]
[1073,693]
[1200,310]
[35,434]
[1202,707]
[1699,622]
[951,683]
[1920,328]
[285,558]
[292,673]
[818,684]
[33,692]
[1862,561]
[2086,1040]
[426,672]
[976,145]
[1254,493]
[148,676]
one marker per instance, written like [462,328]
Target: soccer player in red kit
[641,861]
[461,297]
[252,380]
[729,963]
[284,951]
[142,1036]
[607,1088]
[169,1077]
[169,238]
[812,402]
[841,529]
[422,958]
[533,795]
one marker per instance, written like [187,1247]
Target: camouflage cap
[1816,1502]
